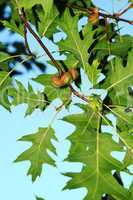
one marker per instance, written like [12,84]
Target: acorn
[74,73]
[66,78]
[60,81]
[56,81]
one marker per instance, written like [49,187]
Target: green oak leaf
[29,97]
[93,72]
[48,22]
[124,118]
[47,16]
[124,124]
[13,27]
[14,24]
[77,46]
[127,139]
[46,4]
[4,59]
[118,81]
[4,56]
[37,154]
[119,47]
[93,149]
[70,61]
[125,132]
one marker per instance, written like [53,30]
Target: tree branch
[78,95]
[28,26]
[26,42]
[125,10]
[114,16]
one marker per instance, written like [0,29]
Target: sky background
[14,183]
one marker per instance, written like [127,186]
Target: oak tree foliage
[98,50]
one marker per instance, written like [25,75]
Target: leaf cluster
[98,50]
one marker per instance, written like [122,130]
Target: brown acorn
[66,78]
[56,81]
[74,73]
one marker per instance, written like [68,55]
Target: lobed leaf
[93,149]
[120,78]
[48,21]
[37,154]
[77,46]
[29,97]
[46,4]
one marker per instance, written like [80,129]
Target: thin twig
[42,45]
[26,42]
[78,95]
[89,11]
[124,11]
[28,26]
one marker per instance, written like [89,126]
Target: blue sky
[14,183]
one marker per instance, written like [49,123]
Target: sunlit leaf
[119,80]
[93,149]
[32,99]
[75,45]
[37,154]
